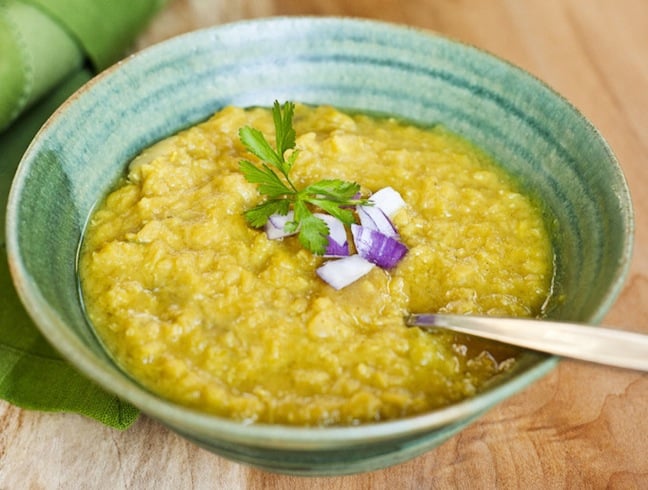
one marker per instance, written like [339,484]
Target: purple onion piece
[389,200]
[376,247]
[375,219]
[335,249]
[338,245]
[274,227]
[342,272]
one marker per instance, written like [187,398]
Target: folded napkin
[48,49]
[44,41]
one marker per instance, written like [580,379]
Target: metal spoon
[588,343]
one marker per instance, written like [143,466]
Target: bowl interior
[354,64]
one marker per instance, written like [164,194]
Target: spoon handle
[588,343]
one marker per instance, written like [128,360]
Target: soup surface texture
[208,312]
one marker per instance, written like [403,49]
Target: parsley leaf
[313,234]
[256,143]
[334,196]
[258,215]
[269,182]
[285,133]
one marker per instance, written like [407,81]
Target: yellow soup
[208,312]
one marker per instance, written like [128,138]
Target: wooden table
[582,426]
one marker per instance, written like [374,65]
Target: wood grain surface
[582,426]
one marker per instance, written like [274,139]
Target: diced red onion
[335,249]
[389,200]
[376,239]
[376,247]
[274,227]
[375,219]
[338,245]
[340,273]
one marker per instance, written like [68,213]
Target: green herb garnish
[272,177]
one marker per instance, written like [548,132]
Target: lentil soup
[208,312]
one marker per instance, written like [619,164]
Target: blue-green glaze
[355,64]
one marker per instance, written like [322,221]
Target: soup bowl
[360,65]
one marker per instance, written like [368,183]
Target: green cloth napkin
[48,49]
[43,41]
[36,54]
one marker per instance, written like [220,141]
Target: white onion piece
[340,273]
[376,247]
[374,218]
[338,245]
[389,200]
[274,227]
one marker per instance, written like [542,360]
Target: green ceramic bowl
[354,64]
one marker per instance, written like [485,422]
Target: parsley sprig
[272,177]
